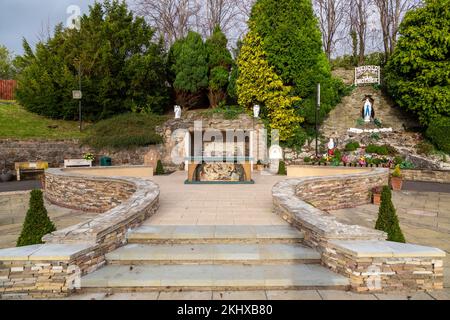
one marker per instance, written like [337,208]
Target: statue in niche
[368,110]
[177,110]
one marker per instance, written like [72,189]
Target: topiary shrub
[387,218]
[37,223]
[282,169]
[439,132]
[159,168]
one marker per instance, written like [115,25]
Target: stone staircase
[166,258]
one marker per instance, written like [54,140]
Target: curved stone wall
[52,269]
[359,253]
[84,192]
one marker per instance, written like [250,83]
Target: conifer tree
[388,219]
[37,223]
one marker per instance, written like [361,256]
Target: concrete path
[215,204]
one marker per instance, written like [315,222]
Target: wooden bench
[77,163]
[30,167]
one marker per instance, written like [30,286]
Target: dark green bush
[282,169]
[159,168]
[387,218]
[37,223]
[381,150]
[424,148]
[439,133]
[352,146]
[125,131]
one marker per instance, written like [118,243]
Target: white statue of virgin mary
[256,111]
[368,112]
[177,110]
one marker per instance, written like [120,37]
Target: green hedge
[439,133]
[381,150]
[37,223]
[125,131]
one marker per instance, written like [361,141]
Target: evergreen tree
[190,69]
[122,70]
[387,217]
[293,44]
[37,223]
[219,63]
[282,169]
[159,168]
[259,84]
[418,73]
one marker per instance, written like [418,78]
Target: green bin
[105,162]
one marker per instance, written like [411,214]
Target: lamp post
[77,95]
[79,101]
[317,119]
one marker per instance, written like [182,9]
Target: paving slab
[18,253]
[239,295]
[185,295]
[386,249]
[293,295]
[404,296]
[344,295]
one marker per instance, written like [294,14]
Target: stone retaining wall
[340,192]
[92,195]
[440,176]
[53,269]
[55,151]
[392,266]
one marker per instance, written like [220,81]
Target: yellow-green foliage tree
[259,84]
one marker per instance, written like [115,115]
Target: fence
[7,89]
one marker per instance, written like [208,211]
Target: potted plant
[5,175]
[396,179]
[376,195]
[259,166]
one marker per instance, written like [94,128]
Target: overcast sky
[29,18]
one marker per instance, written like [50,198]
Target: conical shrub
[159,168]
[282,169]
[388,219]
[37,223]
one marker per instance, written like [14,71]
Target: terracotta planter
[396,183]
[377,199]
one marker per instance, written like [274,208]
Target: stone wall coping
[385,249]
[93,230]
[87,169]
[44,252]
[317,220]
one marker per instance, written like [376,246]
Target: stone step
[137,254]
[215,234]
[212,277]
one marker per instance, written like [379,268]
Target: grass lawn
[16,122]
